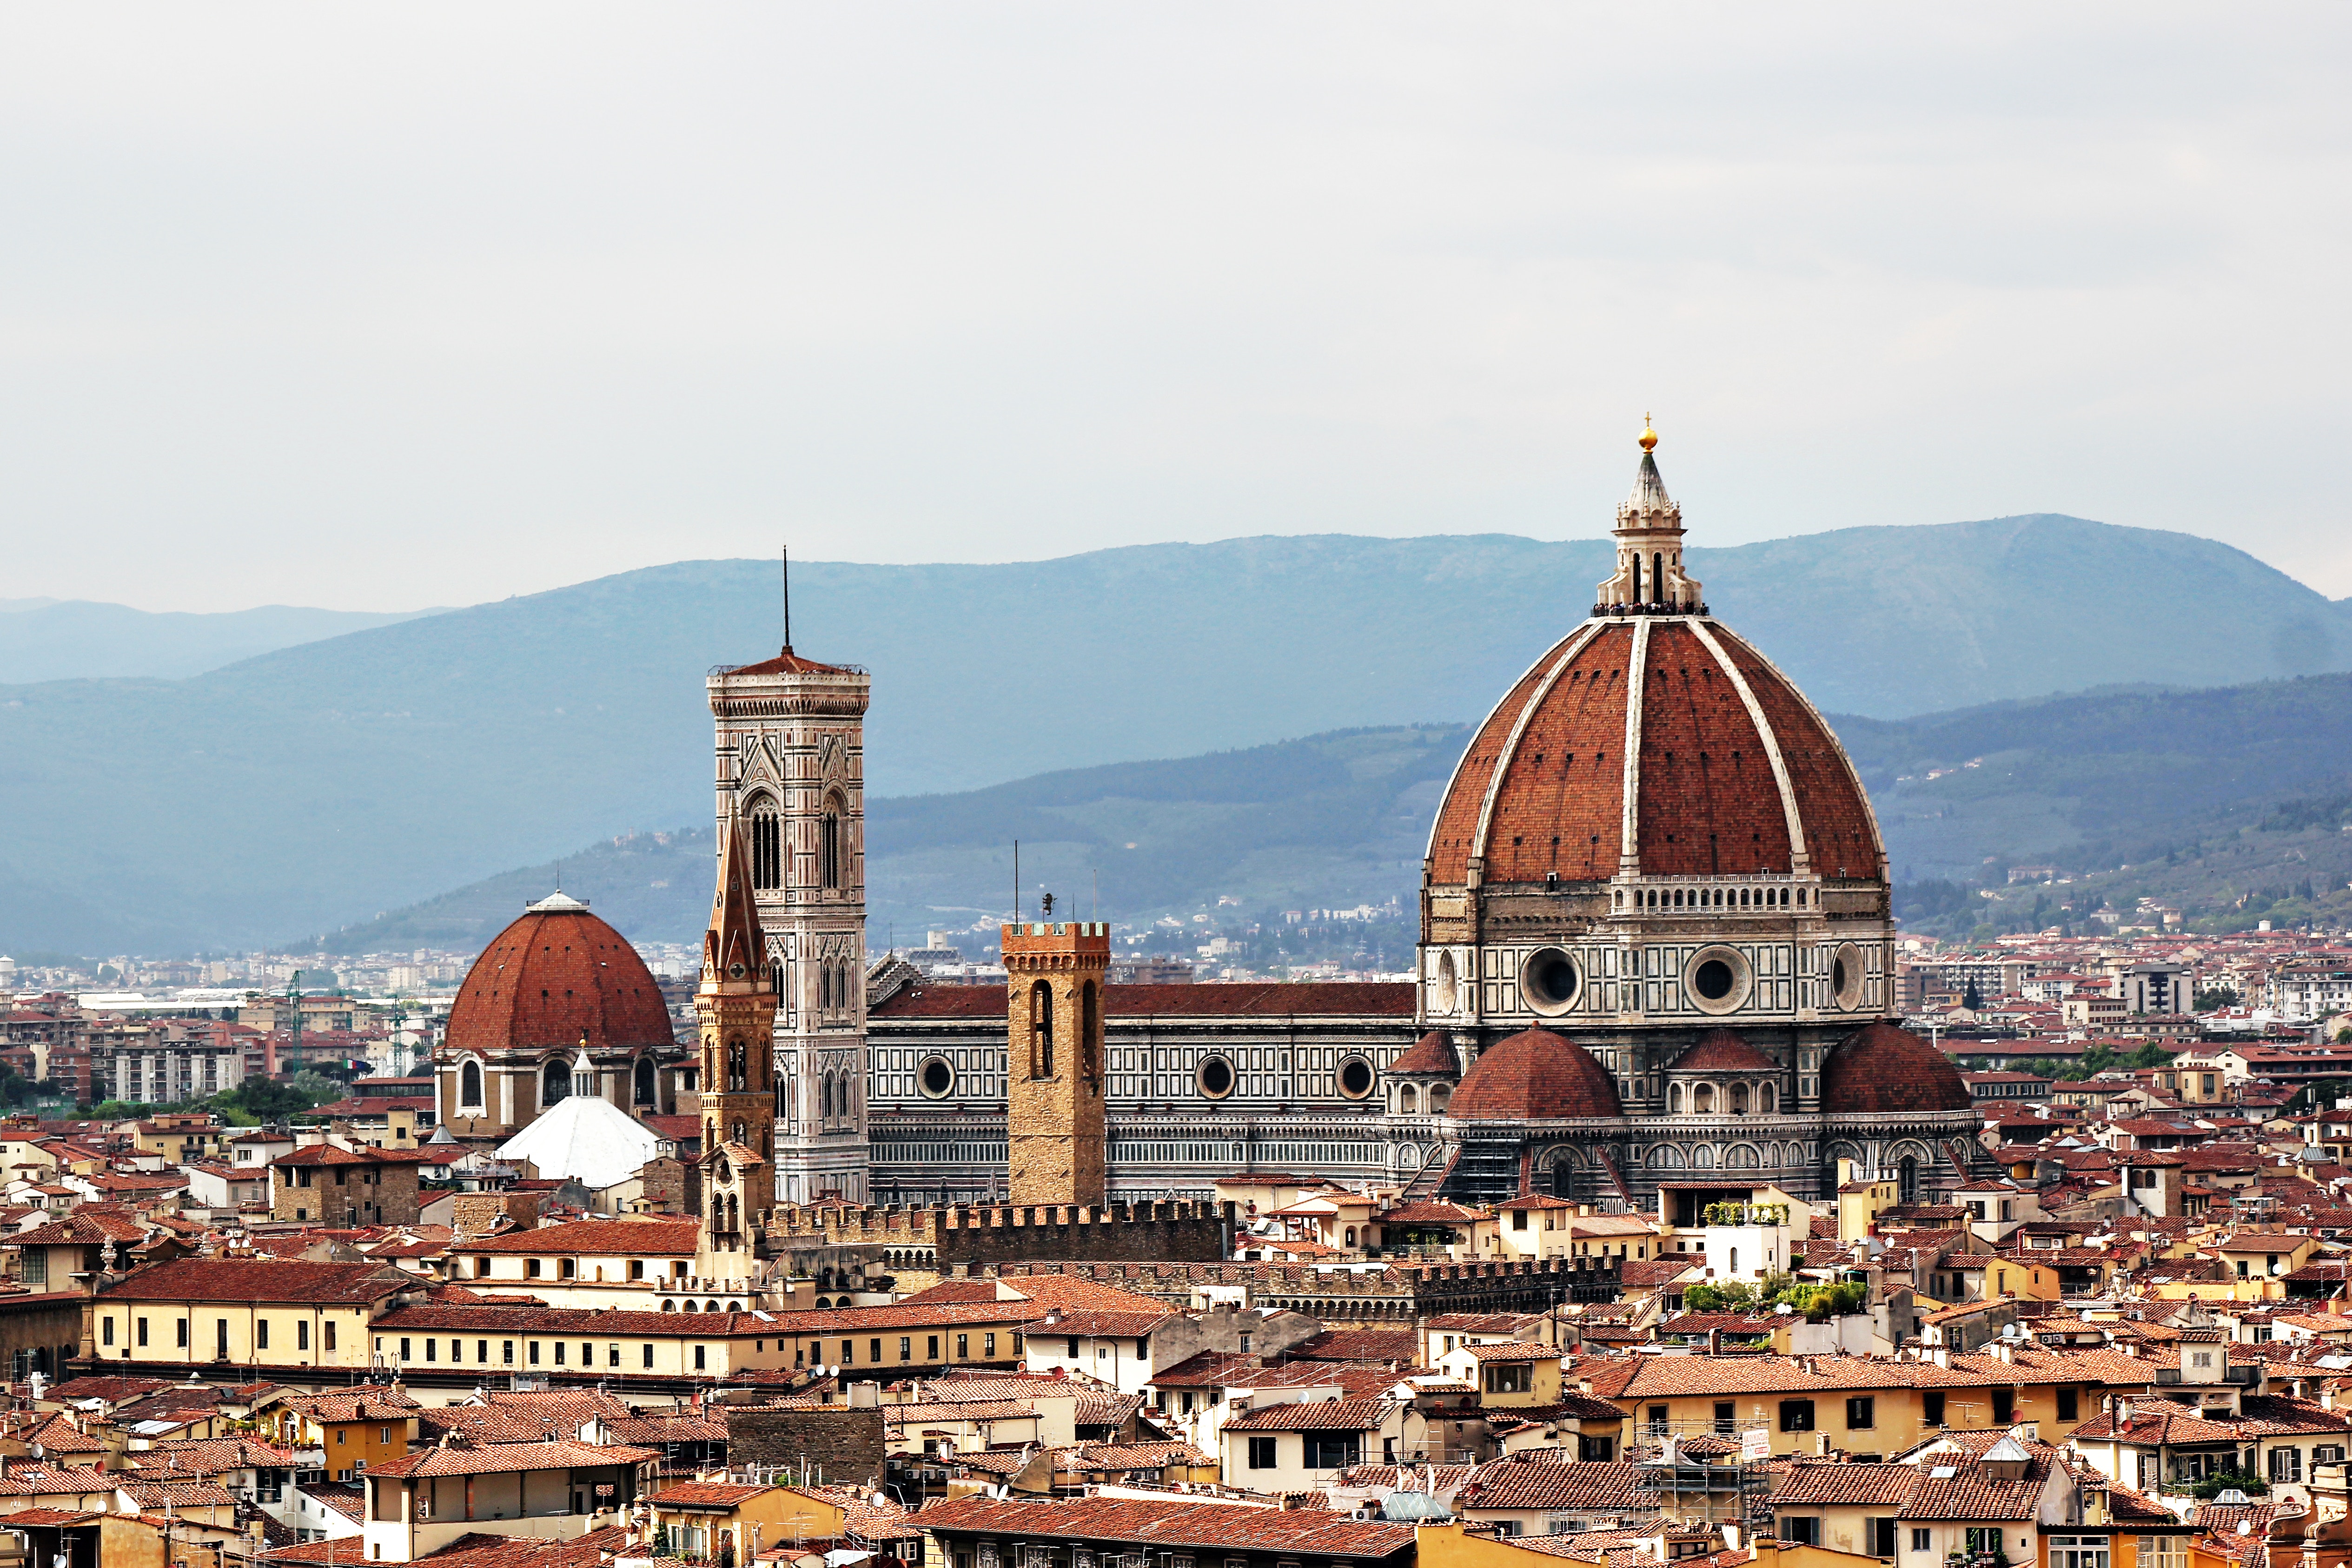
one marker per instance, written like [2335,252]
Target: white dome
[586,1138]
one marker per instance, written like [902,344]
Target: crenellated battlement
[909,1243]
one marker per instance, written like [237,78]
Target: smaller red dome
[1883,1068]
[1533,1076]
[1724,1051]
[555,978]
[1431,1056]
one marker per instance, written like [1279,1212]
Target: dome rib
[1535,1075]
[1800,862]
[1836,809]
[1566,652]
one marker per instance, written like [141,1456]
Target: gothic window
[1040,1030]
[469,1085]
[828,844]
[776,976]
[1637,580]
[738,1132]
[1658,579]
[1089,1031]
[1907,1177]
[555,1082]
[643,1087]
[739,1071]
[767,844]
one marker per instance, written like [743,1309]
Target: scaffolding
[1698,1472]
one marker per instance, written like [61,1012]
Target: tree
[1972,999]
[270,1099]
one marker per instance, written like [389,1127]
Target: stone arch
[1440,1097]
[1674,1099]
[1664,1157]
[1702,1156]
[1741,1157]
[1767,1098]
[1407,1100]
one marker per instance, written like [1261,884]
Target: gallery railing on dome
[1698,608]
[830,669]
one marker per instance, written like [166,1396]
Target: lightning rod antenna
[788,598]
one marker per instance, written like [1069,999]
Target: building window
[649,1356]
[106,1331]
[829,848]
[2286,1464]
[1040,1030]
[1801,1528]
[1860,1415]
[699,1365]
[36,1266]
[1882,1537]
[1920,1539]
[2004,1406]
[469,1087]
[331,1335]
[2069,1404]
[2073,1551]
[1261,1452]
[181,1333]
[262,1334]
[1931,1407]
[1795,1415]
[2163,1551]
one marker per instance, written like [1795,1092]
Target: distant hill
[2233,804]
[1331,820]
[321,785]
[53,640]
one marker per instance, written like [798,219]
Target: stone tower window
[1040,1030]
[469,1085]
[643,1086]
[1089,1031]
[554,1082]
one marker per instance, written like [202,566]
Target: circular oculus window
[1718,979]
[1549,981]
[1215,1077]
[936,1077]
[1845,977]
[1355,1078]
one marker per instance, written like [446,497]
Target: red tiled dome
[1724,1051]
[1533,1075]
[1883,1068]
[1542,787]
[555,975]
[1431,1056]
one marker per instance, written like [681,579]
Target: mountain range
[58,640]
[321,785]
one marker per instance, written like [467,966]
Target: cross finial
[1649,435]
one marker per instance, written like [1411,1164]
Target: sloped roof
[584,1139]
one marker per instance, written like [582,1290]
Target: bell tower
[790,755]
[1053,1069]
[735,1010]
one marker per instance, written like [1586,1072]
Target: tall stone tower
[736,1007]
[791,766]
[1054,1071]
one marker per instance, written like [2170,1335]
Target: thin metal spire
[788,598]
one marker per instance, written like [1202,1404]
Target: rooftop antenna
[788,598]
[1017,882]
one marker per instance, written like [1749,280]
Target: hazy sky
[383,307]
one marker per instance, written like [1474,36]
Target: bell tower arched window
[1040,1030]
[829,847]
[739,1071]
[767,844]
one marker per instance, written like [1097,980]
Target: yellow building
[227,1314]
[346,1433]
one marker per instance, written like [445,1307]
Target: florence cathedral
[1657,950]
